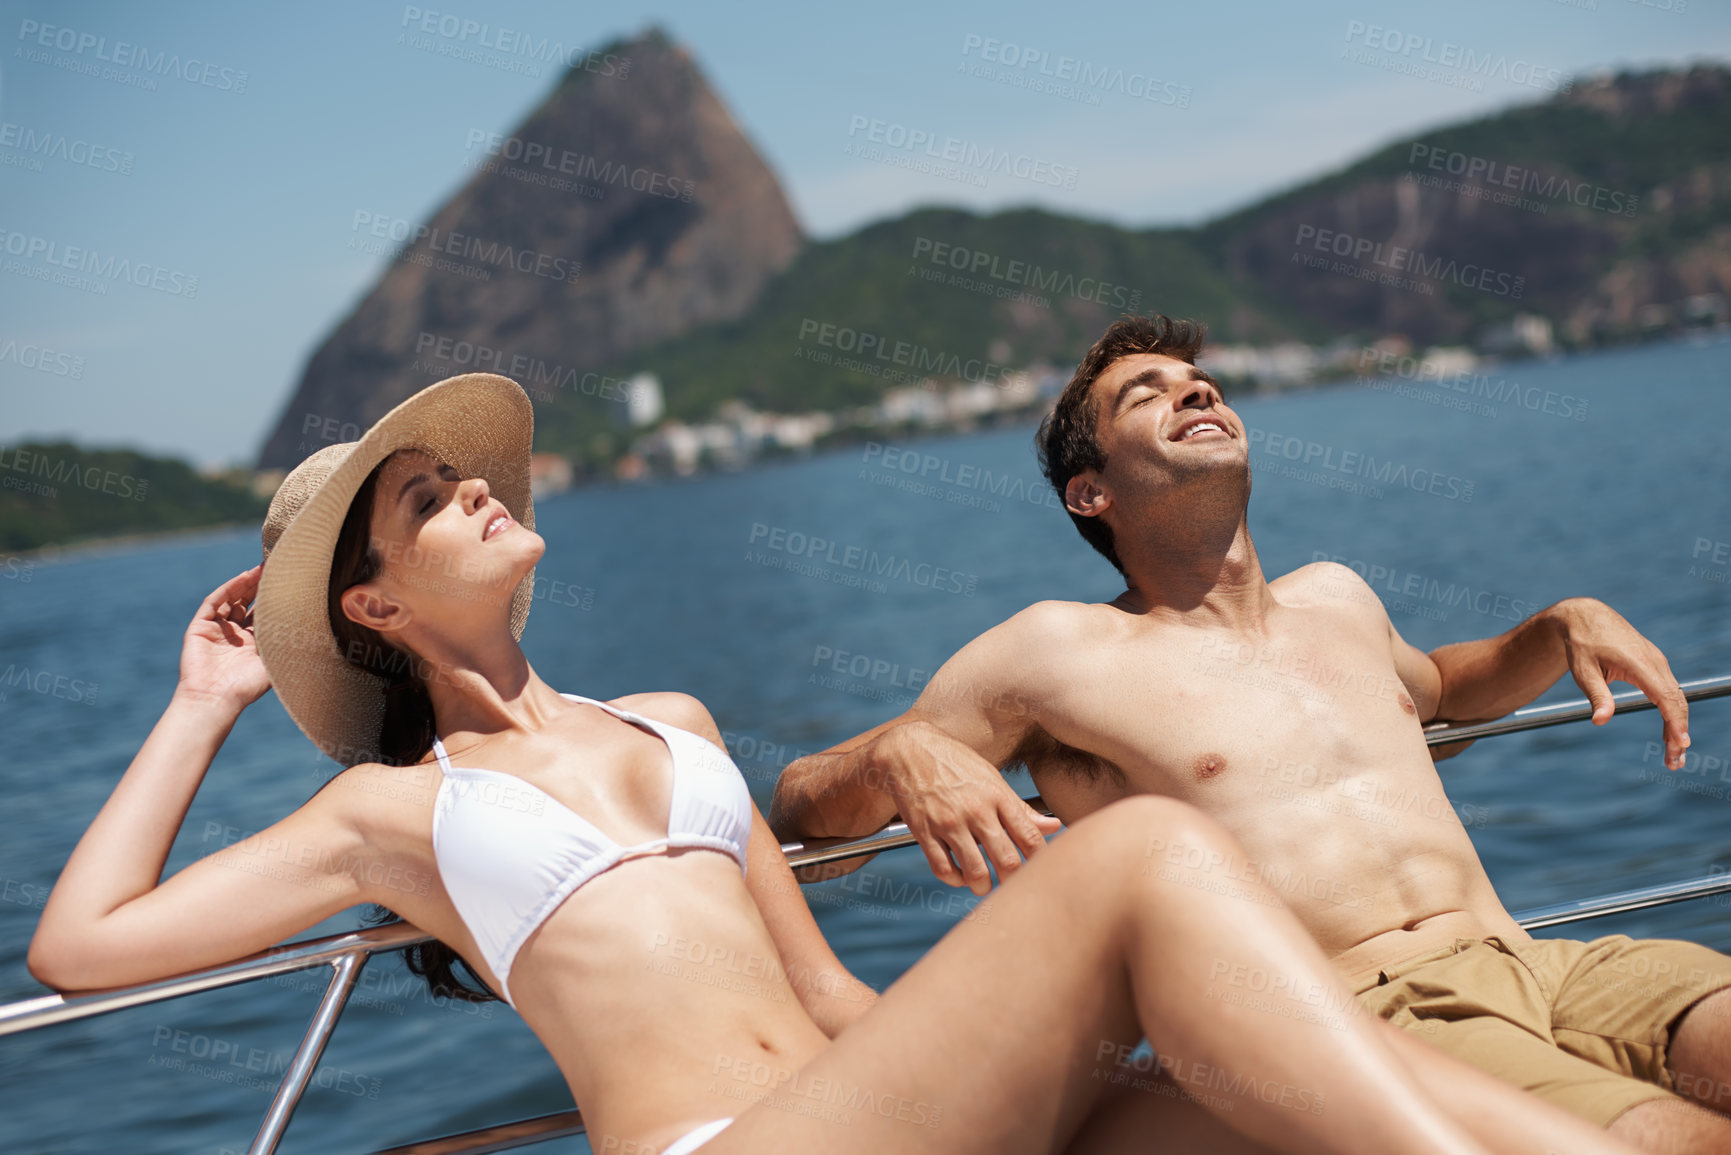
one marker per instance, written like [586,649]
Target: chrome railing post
[308,954]
[500,1137]
[300,1072]
[1624,901]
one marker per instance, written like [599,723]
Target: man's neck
[1200,574]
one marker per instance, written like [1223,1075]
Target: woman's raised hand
[219,658]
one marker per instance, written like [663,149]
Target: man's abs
[1306,747]
[1373,886]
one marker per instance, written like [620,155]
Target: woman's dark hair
[1067,443]
[406,734]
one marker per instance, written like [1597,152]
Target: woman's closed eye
[446,473]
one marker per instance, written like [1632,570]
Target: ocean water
[1468,506]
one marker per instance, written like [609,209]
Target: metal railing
[347,953]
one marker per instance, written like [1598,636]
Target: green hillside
[1031,286]
[1629,153]
[57,492]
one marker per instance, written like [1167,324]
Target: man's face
[1163,422]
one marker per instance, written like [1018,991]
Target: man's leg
[1633,1110]
[1700,1053]
[1654,1009]
[1493,1008]
[1673,1127]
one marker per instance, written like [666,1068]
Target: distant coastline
[550,483]
[83,548]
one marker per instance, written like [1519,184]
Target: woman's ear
[368,605]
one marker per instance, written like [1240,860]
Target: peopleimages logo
[952,150]
[122,54]
[862,560]
[1468,275]
[1415,587]
[579,166]
[976,263]
[1352,463]
[1471,385]
[106,266]
[1482,170]
[1084,76]
[865,348]
[45,360]
[921,473]
[1447,54]
[35,145]
[409,234]
[437,354]
[512,42]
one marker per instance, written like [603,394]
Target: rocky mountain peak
[628,208]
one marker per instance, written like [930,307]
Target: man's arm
[1480,680]
[937,766]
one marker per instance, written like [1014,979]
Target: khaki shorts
[1584,1025]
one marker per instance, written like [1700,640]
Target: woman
[601,866]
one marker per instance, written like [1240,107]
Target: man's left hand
[1602,648]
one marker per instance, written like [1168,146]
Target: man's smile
[1202,425]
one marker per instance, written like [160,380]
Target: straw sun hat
[481,424]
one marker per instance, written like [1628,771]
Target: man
[1292,712]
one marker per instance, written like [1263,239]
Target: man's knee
[1701,1029]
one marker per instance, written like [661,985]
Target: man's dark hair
[1066,441]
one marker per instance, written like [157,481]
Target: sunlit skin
[655,1035]
[590,963]
[583,981]
[1290,711]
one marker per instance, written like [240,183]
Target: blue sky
[251,188]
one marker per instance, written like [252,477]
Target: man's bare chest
[1208,717]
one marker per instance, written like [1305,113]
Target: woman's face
[446,543]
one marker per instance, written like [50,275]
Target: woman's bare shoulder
[378,796]
[674,708]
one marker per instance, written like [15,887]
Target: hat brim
[481,424]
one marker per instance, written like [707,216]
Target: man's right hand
[957,805]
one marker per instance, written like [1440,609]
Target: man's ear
[1085,496]
[367,604]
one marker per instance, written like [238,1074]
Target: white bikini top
[509,853]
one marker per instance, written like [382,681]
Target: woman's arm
[240,900]
[830,993]
[108,921]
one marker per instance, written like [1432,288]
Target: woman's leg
[1004,1036]
[1506,1119]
